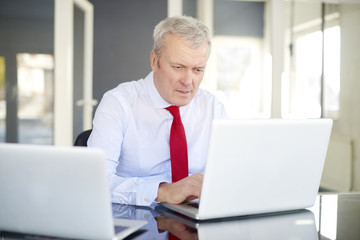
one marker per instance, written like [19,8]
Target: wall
[123,40]
[236,18]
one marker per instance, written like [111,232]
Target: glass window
[35,98]
[306,98]
[239,68]
[314,57]
[237,65]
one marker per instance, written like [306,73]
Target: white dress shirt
[133,128]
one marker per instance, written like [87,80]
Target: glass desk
[334,216]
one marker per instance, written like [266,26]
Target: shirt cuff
[147,193]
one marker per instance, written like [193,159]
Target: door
[73,103]
[45,70]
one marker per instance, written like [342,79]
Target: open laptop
[260,166]
[58,192]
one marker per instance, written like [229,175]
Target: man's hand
[184,190]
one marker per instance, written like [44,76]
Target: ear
[153,60]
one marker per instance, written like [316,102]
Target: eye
[199,70]
[177,67]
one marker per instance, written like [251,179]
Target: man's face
[179,70]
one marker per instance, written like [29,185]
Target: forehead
[177,50]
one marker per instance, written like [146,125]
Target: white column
[277,51]
[175,8]
[63,96]
[205,13]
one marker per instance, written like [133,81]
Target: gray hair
[190,29]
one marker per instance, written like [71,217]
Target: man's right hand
[186,189]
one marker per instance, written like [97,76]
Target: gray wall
[123,40]
[233,18]
[236,18]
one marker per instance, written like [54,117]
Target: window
[239,68]
[35,98]
[305,95]
[238,76]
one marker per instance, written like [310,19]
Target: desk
[334,216]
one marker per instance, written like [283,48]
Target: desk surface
[334,216]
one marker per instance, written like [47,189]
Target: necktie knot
[174,110]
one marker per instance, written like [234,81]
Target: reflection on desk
[334,216]
[300,225]
[296,225]
[337,216]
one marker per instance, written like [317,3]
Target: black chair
[82,138]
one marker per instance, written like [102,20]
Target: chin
[181,100]
[182,103]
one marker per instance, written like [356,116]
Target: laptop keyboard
[119,229]
[192,204]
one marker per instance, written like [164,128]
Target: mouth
[183,92]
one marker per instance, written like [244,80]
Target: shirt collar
[157,100]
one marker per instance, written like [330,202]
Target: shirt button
[146,199]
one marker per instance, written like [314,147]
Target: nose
[187,78]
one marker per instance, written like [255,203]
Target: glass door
[26,71]
[45,70]
[83,102]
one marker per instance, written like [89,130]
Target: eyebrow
[182,65]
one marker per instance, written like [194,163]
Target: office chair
[82,138]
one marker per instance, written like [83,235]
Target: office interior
[269,59]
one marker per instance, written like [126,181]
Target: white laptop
[260,166]
[58,192]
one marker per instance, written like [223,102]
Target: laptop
[260,166]
[58,192]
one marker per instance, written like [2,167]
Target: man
[132,124]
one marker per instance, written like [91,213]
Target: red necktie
[178,146]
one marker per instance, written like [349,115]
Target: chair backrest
[82,138]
